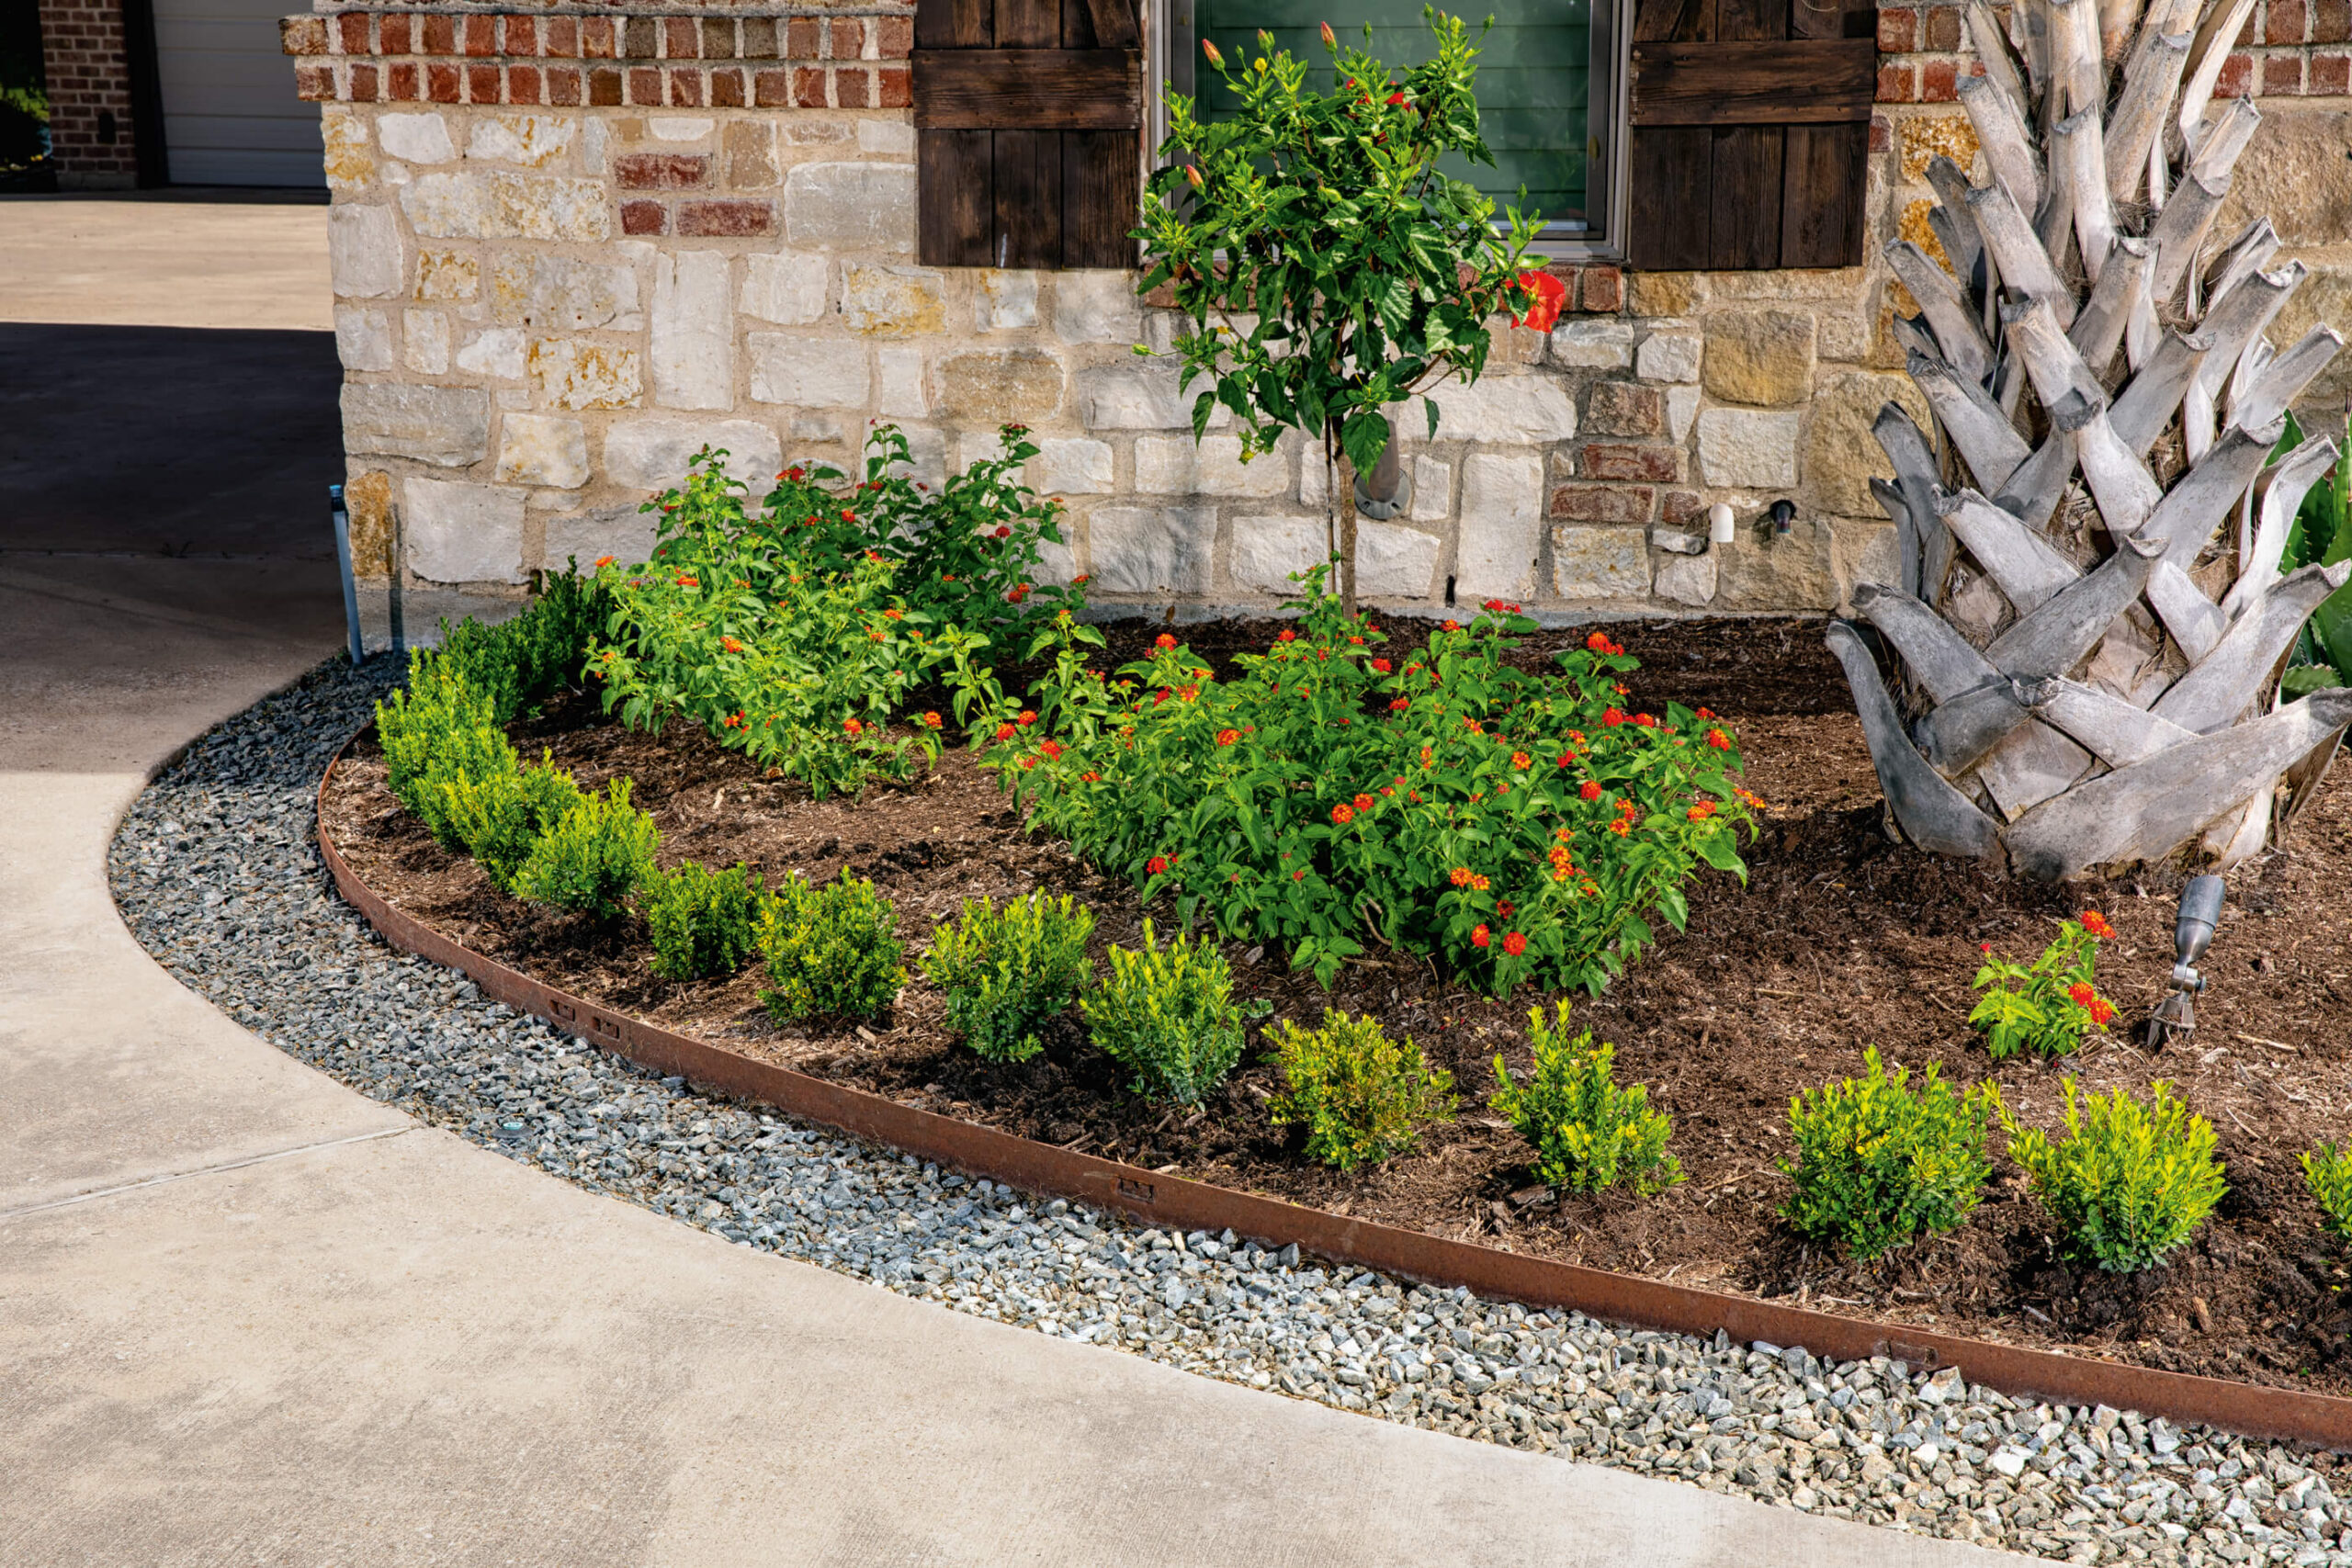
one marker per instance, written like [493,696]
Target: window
[1548,91]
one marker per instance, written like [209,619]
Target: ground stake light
[2192,933]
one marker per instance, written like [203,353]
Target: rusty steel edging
[2246,1408]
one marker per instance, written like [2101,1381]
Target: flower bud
[1265,40]
[1331,38]
[1215,58]
[1192,176]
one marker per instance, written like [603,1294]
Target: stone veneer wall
[568,251]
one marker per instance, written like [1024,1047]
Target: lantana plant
[2047,1006]
[1521,826]
[1327,267]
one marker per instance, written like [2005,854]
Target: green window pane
[1534,82]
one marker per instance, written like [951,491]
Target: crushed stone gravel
[217,872]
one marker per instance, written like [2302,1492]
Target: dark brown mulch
[1839,940]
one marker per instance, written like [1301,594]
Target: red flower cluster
[853,727]
[1228,737]
[1163,640]
[1598,643]
[2096,923]
[931,721]
[1363,803]
[1589,789]
[730,645]
[1480,936]
[1156,865]
[1718,740]
[1514,944]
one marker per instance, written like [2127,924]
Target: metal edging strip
[2249,1409]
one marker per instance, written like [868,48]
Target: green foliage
[1005,972]
[437,711]
[2321,536]
[501,816]
[518,664]
[831,952]
[2130,1181]
[2044,1007]
[1588,1132]
[595,855]
[1361,1096]
[1519,824]
[747,629]
[1167,1015]
[1879,1162]
[704,922]
[2328,1170]
[1326,267]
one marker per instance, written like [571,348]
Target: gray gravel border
[217,872]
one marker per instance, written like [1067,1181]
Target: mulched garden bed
[1840,940]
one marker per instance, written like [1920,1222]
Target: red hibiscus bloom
[1550,294]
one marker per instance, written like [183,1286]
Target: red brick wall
[89,80]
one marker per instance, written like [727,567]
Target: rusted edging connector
[1167,1200]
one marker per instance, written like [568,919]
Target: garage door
[229,114]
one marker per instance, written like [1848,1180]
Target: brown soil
[1840,940]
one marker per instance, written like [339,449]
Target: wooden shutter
[1028,119]
[1750,133]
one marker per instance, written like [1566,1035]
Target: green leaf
[1364,437]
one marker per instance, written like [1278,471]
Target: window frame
[1172,47]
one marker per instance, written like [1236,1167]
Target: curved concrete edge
[2247,1408]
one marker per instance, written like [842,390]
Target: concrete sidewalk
[249,1316]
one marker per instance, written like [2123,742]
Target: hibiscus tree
[1325,266]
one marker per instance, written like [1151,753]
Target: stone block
[1603,503]
[1759,357]
[679,127]
[1665,293]
[1152,549]
[534,140]
[1868,553]
[1749,448]
[1520,410]
[367,497]
[1004,301]
[1173,465]
[1019,385]
[1071,466]
[2296,173]
[1432,487]
[462,533]
[447,275]
[692,344]
[1599,562]
[1840,453]
[904,391]
[501,205]
[1097,307]
[1266,550]
[788,288]
[1619,461]
[1502,511]
[348,162]
[851,206]
[926,461]
[496,353]
[1670,355]
[447,426]
[653,453]
[1625,408]
[1592,343]
[1140,397]
[1686,580]
[808,372]
[750,155]
[1394,561]
[564,294]
[425,342]
[2325,296]
[542,450]
[417,138]
[363,252]
[1762,570]
[363,339]
[1921,139]
[887,138]
[621,532]
[1682,412]
[892,301]
[576,372]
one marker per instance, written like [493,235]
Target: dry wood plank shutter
[1750,133]
[1028,120]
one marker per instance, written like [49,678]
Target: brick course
[90,126]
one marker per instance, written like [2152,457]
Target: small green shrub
[832,951]
[1361,1094]
[1167,1015]
[423,720]
[2045,1006]
[1005,972]
[2328,1171]
[704,922]
[2130,1181]
[1588,1132]
[597,853]
[501,815]
[518,662]
[1879,1162]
